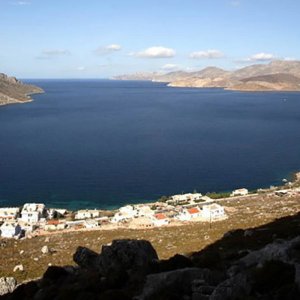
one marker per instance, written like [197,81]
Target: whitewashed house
[53,225]
[160,219]
[125,213]
[189,213]
[87,214]
[213,211]
[9,213]
[239,192]
[33,212]
[10,229]
[56,213]
[189,197]
[144,211]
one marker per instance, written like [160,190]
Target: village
[35,219]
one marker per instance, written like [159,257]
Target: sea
[106,143]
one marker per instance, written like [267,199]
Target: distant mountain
[14,91]
[275,76]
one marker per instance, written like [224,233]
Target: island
[279,75]
[13,90]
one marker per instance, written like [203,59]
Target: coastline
[243,213]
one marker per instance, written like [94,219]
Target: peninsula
[278,75]
[13,90]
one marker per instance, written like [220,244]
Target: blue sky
[99,39]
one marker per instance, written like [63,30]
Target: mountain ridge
[275,76]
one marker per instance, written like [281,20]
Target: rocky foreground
[14,91]
[257,263]
[275,76]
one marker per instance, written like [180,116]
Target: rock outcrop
[7,285]
[14,91]
[244,264]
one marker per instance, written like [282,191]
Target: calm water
[107,143]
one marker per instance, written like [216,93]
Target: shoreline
[243,213]
[292,177]
[175,210]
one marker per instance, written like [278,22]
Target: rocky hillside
[14,91]
[275,76]
[257,263]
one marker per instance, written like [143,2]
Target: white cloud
[113,47]
[210,54]
[108,49]
[262,56]
[156,52]
[169,67]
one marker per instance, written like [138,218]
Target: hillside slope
[275,76]
[257,263]
[14,91]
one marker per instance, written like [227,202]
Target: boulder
[7,285]
[177,282]
[85,258]
[282,250]
[19,268]
[236,287]
[45,249]
[124,255]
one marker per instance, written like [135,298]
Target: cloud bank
[262,56]
[208,54]
[108,49]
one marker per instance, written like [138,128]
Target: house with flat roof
[239,192]
[87,214]
[9,213]
[10,229]
[213,211]
[33,212]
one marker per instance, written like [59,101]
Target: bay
[105,143]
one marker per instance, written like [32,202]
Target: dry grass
[243,213]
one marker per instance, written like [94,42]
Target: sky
[104,38]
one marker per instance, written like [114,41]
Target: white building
[143,211]
[125,213]
[9,213]
[160,219]
[213,211]
[33,212]
[87,214]
[189,197]
[56,213]
[239,192]
[189,214]
[10,229]
[53,225]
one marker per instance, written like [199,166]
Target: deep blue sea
[97,143]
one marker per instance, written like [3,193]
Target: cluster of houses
[35,218]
